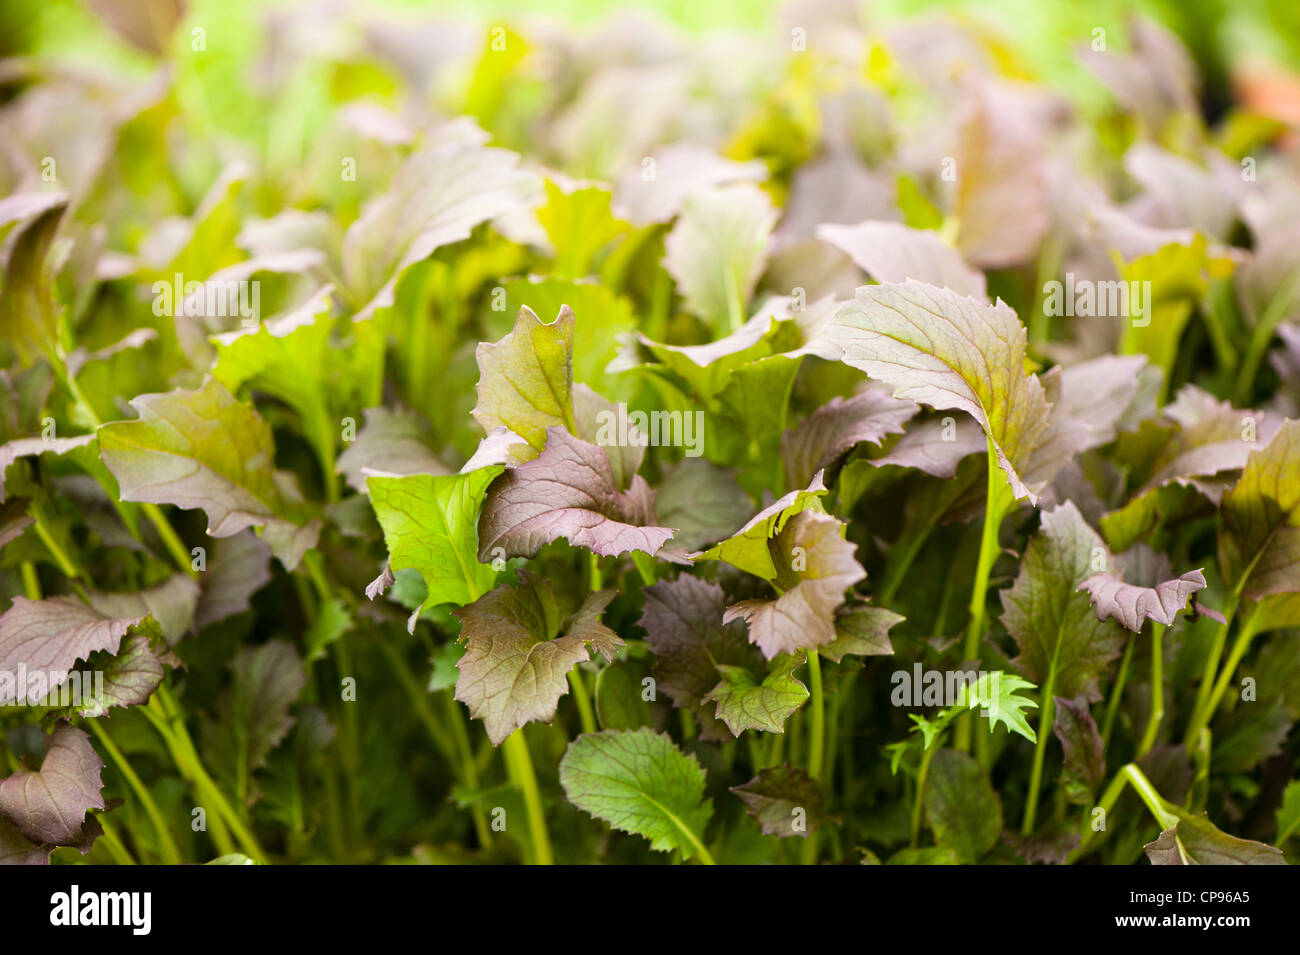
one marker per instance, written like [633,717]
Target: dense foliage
[425,442]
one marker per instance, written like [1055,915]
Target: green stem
[202,781]
[1046,715]
[586,717]
[167,846]
[645,566]
[1246,633]
[170,539]
[1157,690]
[519,764]
[816,740]
[469,770]
[1117,692]
[994,509]
[1142,786]
[31,582]
[1049,265]
[1199,717]
[114,843]
[735,307]
[918,800]
[217,826]
[1262,334]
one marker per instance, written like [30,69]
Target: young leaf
[430,524]
[437,197]
[1063,645]
[203,449]
[1132,605]
[891,252]
[568,491]
[834,429]
[748,548]
[520,645]
[253,716]
[744,703]
[1194,840]
[701,502]
[236,568]
[49,805]
[862,631]
[814,567]
[1085,764]
[961,805]
[29,312]
[716,251]
[683,623]
[526,379]
[1288,814]
[1259,539]
[50,636]
[638,781]
[129,677]
[996,695]
[784,801]
[949,351]
[172,604]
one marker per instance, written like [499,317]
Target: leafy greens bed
[448,444]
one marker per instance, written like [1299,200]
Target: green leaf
[639,782]
[580,225]
[203,449]
[996,695]
[784,801]
[430,524]
[949,351]
[526,379]
[861,631]
[717,249]
[961,806]
[1064,647]
[815,565]
[1179,275]
[1288,814]
[332,621]
[1259,538]
[520,644]
[29,310]
[683,623]
[1085,764]
[606,316]
[252,717]
[620,696]
[748,548]
[744,703]
[437,197]
[1194,840]
[289,357]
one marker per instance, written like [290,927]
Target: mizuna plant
[525,456]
